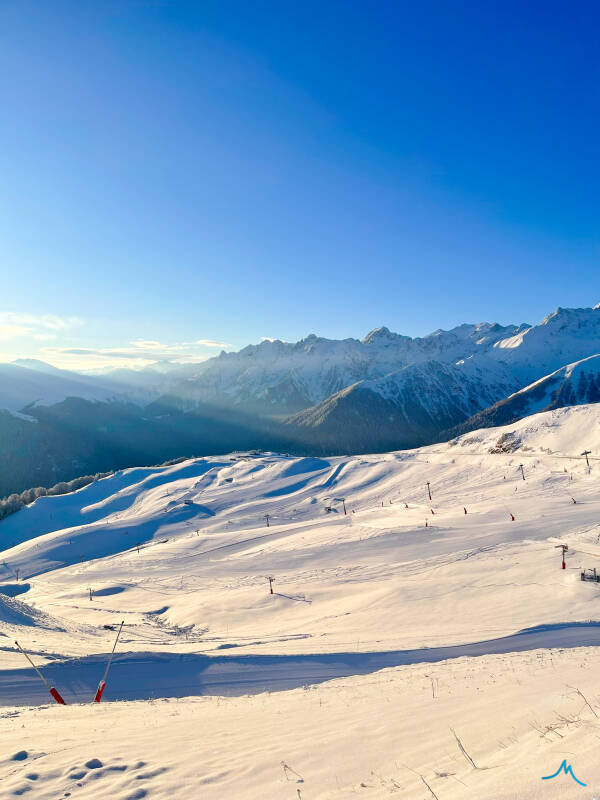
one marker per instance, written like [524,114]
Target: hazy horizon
[181,178]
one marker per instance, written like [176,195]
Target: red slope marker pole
[54,692]
[102,684]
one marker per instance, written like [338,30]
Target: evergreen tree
[582,387]
[593,395]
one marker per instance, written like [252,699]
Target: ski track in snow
[183,554]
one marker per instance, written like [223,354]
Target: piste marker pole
[102,684]
[54,692]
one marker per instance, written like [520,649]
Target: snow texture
[453,659]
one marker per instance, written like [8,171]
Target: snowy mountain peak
[575,317]
[381,334]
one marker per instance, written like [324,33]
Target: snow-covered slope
[563,432]
[574,384]
[565,336]
[403,603]
[405,408]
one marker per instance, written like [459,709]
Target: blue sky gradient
[176,172]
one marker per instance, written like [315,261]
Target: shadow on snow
[142,676]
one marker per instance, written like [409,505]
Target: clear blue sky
[182,171]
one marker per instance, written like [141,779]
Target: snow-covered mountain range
[381,392]
[278,377]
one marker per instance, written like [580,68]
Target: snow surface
[383,635]
[541,393]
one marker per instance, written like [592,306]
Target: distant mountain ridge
[281,377]
[317,395]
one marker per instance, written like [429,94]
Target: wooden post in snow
[429,489]
[586,453]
